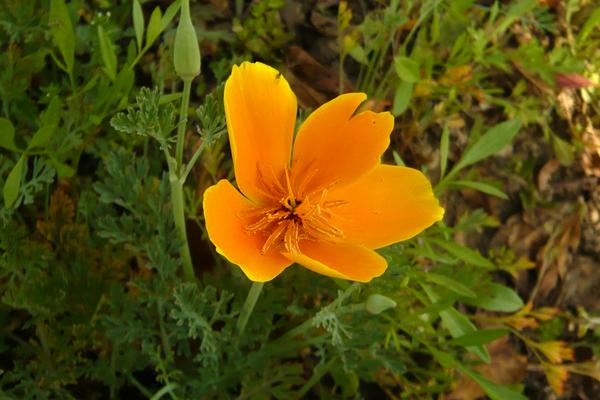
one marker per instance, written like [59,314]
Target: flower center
[288,219]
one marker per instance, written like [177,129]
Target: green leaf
[459,325]
[449,284]
[481,186]
[154,26]
[407,69]
[108,54]
[13,183]
[359,54]
[444,148]
[402,97]
[398,159]
[63,170]
[480,337]
[592,23]
[465,254]
[564,151]
[497,297]
[7,135]
[445,359]
[493,390]
[62,32]
[170,14]
[494,140]
[138,23]
[517,10]
[48,124]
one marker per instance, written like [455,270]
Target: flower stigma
[289,216]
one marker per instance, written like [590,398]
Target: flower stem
[175,169]
[320,371]
[183,111]
[248,306]
[179,216]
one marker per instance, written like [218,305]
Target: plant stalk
[176,181]
[183,111]
[179,216]
[248,306]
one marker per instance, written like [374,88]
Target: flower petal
[334,145]
[261,110]
[340,260]
[223,205]
[385,206]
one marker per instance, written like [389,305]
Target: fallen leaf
[313,83]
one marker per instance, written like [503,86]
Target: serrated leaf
[402,98]
[138,23]
[7,135]
[62,31]
[480,186]
[13,183]
[407,69]
[494,140]
[107,52]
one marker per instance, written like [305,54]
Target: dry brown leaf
[590,157]
[546,174]
[313,83]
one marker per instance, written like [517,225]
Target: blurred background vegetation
[497,101]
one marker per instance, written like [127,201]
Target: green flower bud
[187,51]
[377,303]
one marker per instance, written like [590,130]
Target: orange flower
[324,205]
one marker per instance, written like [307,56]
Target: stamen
[267,190]
[274,236]
[292,238]
[286,221]
[289,188]
[307,174]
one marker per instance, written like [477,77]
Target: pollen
[289,218]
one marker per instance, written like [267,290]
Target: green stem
[239,8]
[190,164]
[248,306]
[320,370]
[163,333]
[169,388]
[185,102]
[177,198]
[139,386]
[303,327]
[179,217]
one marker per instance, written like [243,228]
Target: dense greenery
[95,301]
